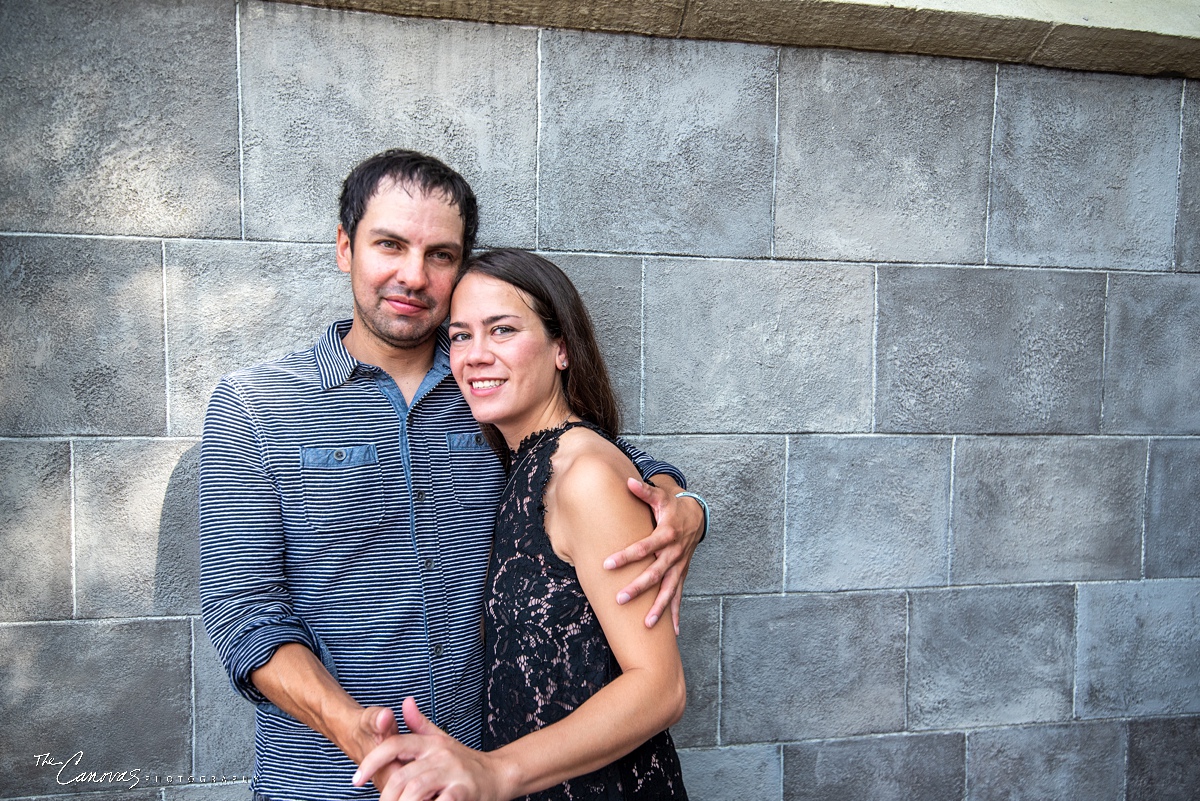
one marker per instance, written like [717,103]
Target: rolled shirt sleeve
[245,604]
[648,466]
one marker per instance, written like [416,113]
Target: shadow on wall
[177,562]
[223,720]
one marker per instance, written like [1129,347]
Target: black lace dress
[546,651]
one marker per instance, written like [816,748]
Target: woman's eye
[461,336]
[503,329]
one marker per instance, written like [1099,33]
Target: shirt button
[427,564]
[339,455]
[420,495]
[478,438]
[437,650]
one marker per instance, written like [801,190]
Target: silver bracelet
[703,508]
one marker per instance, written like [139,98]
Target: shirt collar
[336,365]
[441,355]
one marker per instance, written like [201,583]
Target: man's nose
[411,270]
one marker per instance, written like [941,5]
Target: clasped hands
[426,764]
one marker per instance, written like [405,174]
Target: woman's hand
[435,765]
[679,526]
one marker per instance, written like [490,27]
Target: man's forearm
[295,681]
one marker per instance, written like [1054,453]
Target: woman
[578,687]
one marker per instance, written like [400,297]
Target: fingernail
[357,779]
[650,621]
[609,564]
[622,597]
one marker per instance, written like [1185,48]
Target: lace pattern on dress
[546,653]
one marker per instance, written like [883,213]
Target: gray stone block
[224,720]
[751,347]
[1173,509]
[990,656]
[1164,760]
[35,530]
[797,667]
[119,118]
[867,512]
[1139,649]
[1187,226]
[136,520]
[741,478]
[234,304]
[980,351]
[655,145]
[611,288]
[892,768]
[1047,509]
[120,693]
[85,320]
[732,774]
[1084,170]
[700,647]
[322,90]
[1152,377]
[1073,762]
[882,156]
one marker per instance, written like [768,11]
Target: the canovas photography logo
[74,771]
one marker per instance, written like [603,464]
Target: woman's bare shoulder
[587,461]
[588,496]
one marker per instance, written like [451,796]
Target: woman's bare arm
[590,514]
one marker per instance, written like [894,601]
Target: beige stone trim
[1145,37]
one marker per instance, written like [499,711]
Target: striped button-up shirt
[336,515]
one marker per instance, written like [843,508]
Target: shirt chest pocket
[475,470]
[343,486]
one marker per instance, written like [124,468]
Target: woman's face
[505,363]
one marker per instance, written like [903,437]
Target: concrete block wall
[923,329]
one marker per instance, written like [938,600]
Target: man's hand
[429,764]
[679,527]
[375,724]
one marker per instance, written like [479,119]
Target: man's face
[406,254]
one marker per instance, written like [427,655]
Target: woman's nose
[478,351]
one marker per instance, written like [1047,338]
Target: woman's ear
[560,355]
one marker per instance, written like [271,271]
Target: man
[346,503]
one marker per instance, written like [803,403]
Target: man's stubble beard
[412,342]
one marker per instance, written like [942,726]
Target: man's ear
[345,249]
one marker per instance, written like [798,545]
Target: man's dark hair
[410,169]
[552,296]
